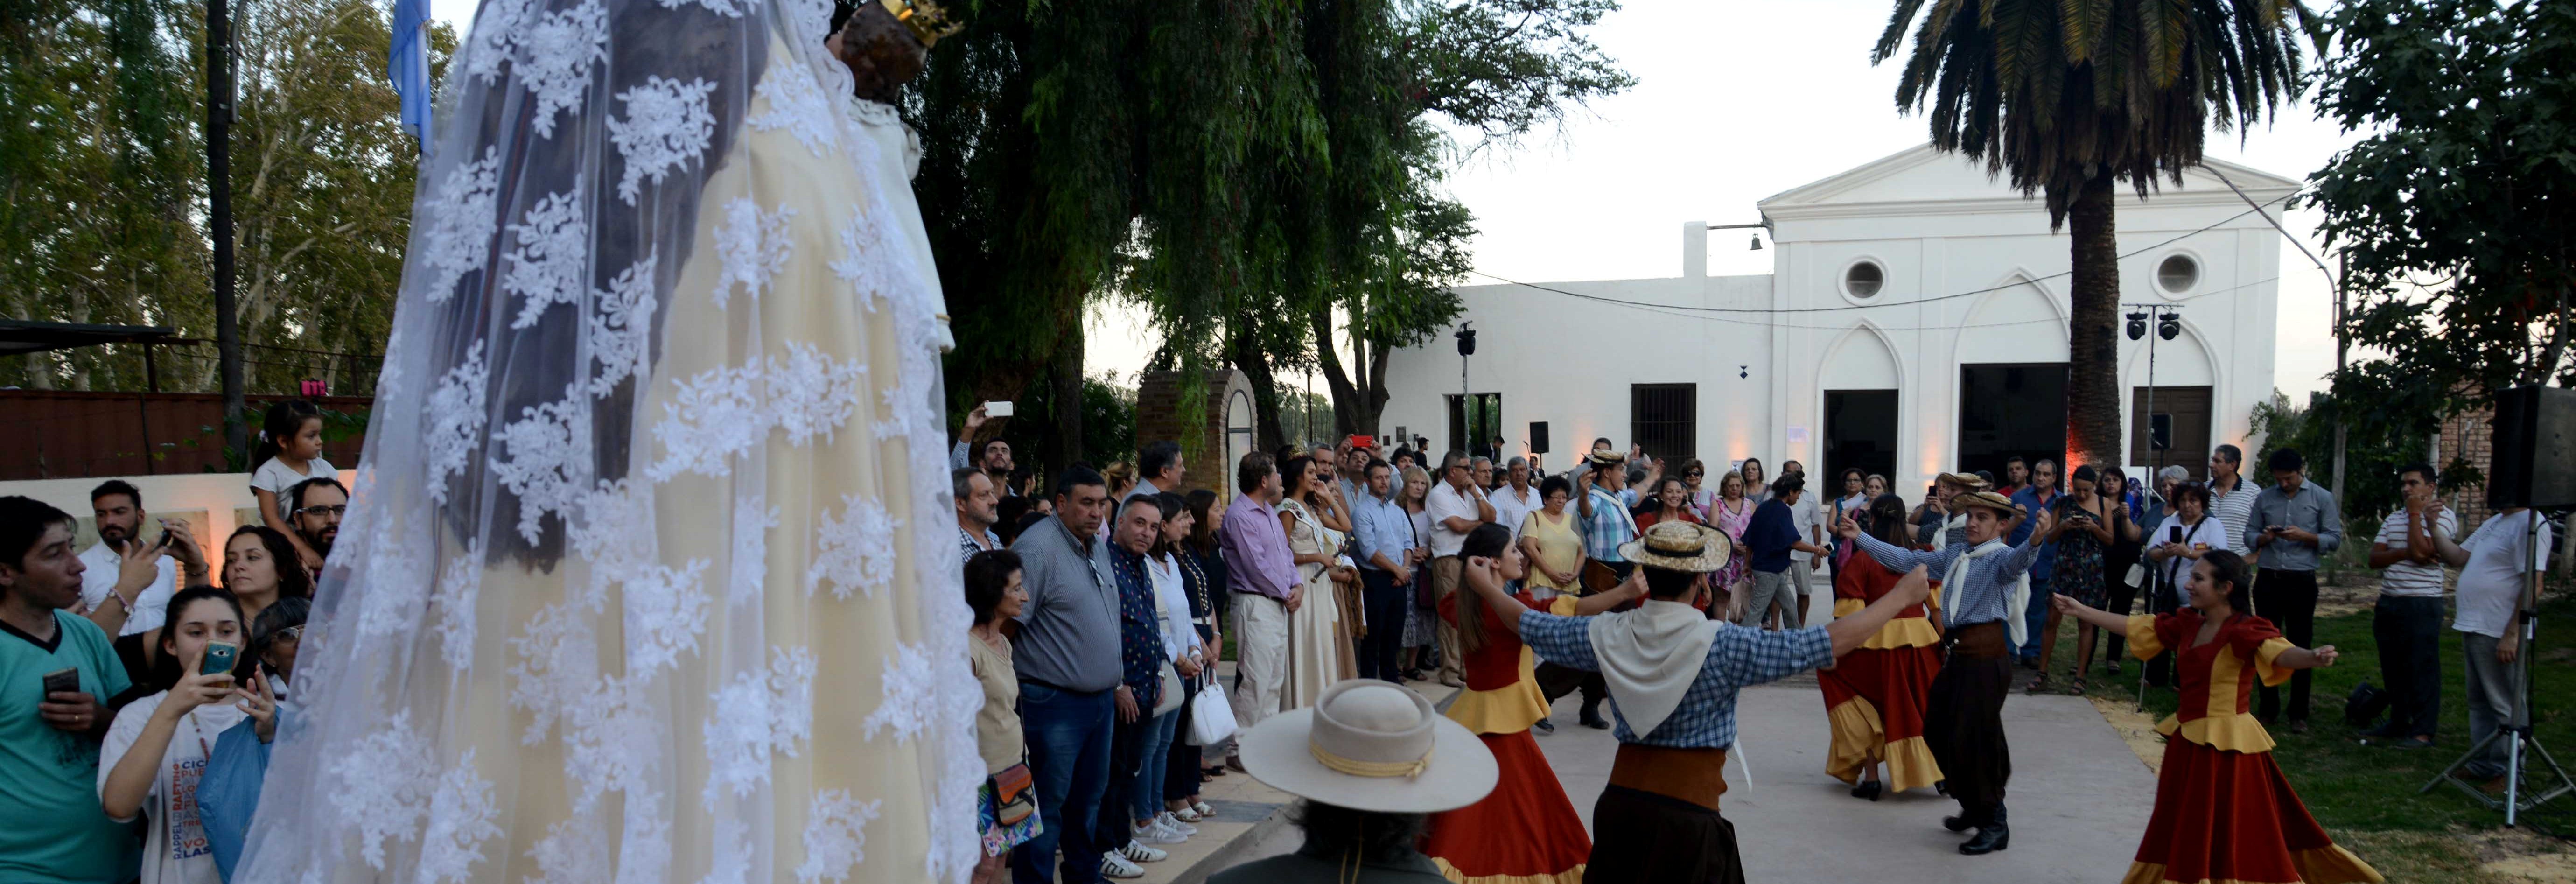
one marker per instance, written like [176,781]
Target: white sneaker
[1135,852]
[1173,822]
[1153,832]
[1114,866]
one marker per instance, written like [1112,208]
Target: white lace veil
[646,575]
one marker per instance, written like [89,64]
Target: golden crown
[926,19]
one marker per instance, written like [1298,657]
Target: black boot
[1591,716]
[1964,821]
[1994,835]
[1868,789]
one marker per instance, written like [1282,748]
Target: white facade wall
[1974,275]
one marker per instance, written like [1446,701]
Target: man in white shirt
[2494,565]
[2231,498]
[1456,506]
[121,599]
[2413,545]
[1810,517]
[1516,499]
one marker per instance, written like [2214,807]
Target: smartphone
[997,409]
[219,658]
[2173,534]
[61,681]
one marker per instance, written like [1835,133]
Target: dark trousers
[1068,740]
[2409,631]
[2122,598]
[1557,681]
[1645,837]
[1963,721]
[2289,600]
[1126,755]
[1383,603]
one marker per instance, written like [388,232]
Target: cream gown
[644,578]
[1318,649]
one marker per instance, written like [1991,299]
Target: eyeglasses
[342,509]
[291,633]
[1697,474]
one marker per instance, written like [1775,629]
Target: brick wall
[1159,417]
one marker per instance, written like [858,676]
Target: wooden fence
[61,434]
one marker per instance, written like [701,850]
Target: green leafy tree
[102,182]
[2456,215]
[2072,98]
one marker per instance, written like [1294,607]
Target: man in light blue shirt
[2042,494]
[1385,537]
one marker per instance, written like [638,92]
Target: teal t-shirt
[52,829]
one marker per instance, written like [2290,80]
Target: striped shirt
[1737,659]
[2234,509]
[2410,578]
[1990,579]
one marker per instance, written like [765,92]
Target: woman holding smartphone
[2180,542]
[159,745]
[2088,524]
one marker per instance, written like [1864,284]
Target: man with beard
[127,582]
[314,507]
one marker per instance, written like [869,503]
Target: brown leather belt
[1694,775]
[1978,641]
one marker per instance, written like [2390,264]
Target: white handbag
[1211,717]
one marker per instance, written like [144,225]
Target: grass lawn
[2368,797]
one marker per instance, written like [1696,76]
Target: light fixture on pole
[1466,336]
[2168,324]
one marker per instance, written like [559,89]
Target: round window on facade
[1864,279]
[2177,273]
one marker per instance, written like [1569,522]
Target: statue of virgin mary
[645,577]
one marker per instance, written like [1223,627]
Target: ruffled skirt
[1524,832]
[2230,816]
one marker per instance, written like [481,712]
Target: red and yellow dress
[2223,811]
[1526,831]
[1874,696]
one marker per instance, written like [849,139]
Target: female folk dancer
[2223,810]
[1875,697]
[1526,831]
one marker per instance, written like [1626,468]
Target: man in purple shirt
[1263,576]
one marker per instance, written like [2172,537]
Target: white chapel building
[1915,321]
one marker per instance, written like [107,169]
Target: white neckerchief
[1649,657]
[2014,602]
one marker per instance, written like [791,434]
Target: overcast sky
[1737,101]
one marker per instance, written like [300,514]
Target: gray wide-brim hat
[1373,746]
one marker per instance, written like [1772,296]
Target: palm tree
[2075,96]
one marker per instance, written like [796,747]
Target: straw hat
[1606,458]
[1679,546]
[1964,480]
[1369,745]
[2003,506]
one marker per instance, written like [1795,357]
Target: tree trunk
[1347,406]
[1248,358]
[1065,398]
[2093,405]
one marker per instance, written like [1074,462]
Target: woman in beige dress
[1319,644]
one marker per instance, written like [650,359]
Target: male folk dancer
[1673,676]
[1985,588]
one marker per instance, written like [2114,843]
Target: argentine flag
[408,67]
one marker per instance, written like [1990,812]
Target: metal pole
[2342,343]
[219,212]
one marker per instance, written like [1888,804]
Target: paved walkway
[2079,799]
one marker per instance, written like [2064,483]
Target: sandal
[1202,809]
[2037,684]
[2076,687]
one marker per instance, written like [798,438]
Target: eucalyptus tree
[2071,99]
